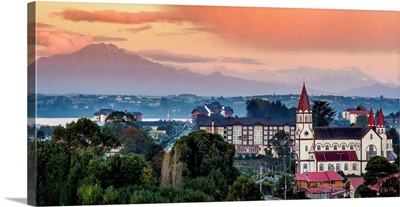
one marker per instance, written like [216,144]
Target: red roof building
[318,184]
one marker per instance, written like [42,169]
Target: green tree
[244,189]
[364,192]
[204,154]
[53,163]
[322,113]
[395,135]
[379,169]
[361,120]
[361,107]
[259,108]
[90,195]
[281,144]
[110,195]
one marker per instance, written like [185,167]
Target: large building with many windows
[249,135]
[346,149]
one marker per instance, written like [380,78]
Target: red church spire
[371,120]
[381,120]
[304,104]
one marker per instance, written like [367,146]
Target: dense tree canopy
[75,170]
[259,108]
[379,171]
[244,189]
[207,156]
[361,120]
[322,113]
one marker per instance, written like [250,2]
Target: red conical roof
[381,120]
[304,104]
[371,120]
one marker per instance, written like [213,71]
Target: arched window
[318,147]
[330,166]
[351,147]
[300,118]
[371,136]
[337,167]
[306,148]
[335,147]
[371,151]
[305,167]
[343,147]
[326,147]
[346,167]
[321,167]
[354,166]
[305,118]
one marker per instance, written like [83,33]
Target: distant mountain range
[106,69]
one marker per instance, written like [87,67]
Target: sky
[239,41]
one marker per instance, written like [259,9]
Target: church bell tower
[304,143]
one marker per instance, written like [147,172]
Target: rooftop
[340,132]
[335,156]
[319,176]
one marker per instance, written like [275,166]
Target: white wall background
[13,91]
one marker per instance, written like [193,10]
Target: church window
[305,118]
[370,136]
[346,167]
[330,167]
[318,147]
[321,167]
[354,166]
[351,147]
[337,167]
[335,147]
[343,147]
[371,151]
[306,148]
[326,147]
[306,133]
[300,118]
[312,157]
[305,167]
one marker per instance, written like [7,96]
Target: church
[346,149]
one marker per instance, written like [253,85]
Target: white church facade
[346,149]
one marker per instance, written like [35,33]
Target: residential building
[352,184]
[249,135]
[102,114]
[352,114]
[347,149]
[212,108]
[319,185]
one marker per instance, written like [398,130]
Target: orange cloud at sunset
[271,28]
[300,28]
[58,41]
[138,29]
[117,17]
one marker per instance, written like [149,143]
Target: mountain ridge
[106,69]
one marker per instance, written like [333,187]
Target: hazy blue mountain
[375,90]
[106,69]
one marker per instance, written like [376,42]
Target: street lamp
[340,163]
